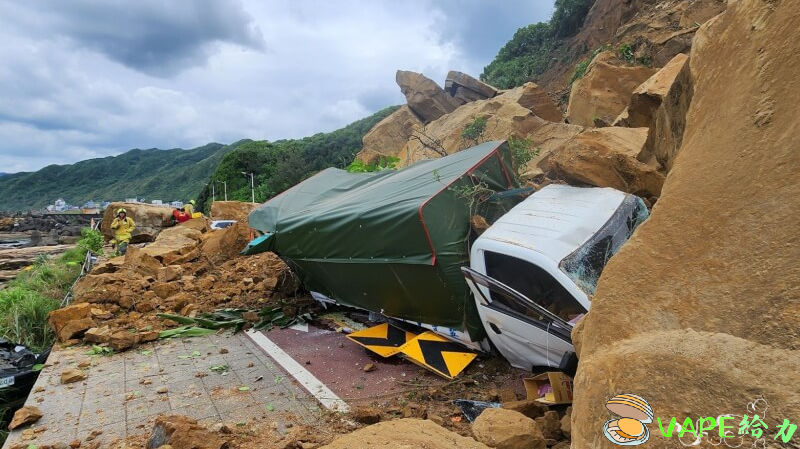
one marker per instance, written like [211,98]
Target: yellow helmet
[191,202]
[121,211]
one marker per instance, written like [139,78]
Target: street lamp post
[225,186]
[213,192]
[252,185]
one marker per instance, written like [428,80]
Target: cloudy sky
[92,78]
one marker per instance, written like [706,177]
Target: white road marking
[322,393]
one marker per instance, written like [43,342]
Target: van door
[524,332]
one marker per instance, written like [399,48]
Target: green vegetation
[92,240]
[473,133]
[24,305]
[281,164]
[383,163]
[627,52]
[151,174]
[533,49]
[37,291]
[580,69]
[521,153]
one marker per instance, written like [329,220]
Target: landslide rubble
[187,269]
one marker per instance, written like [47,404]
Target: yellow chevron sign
[383,339]
[438,354]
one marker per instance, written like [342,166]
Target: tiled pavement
[120,395]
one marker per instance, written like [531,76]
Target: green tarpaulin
[391,241]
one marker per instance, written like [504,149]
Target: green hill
[151,174]
[537,47]
[281,164]
[184,174]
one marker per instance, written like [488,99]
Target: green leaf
[270,407]
[196,354]
[146,352]
[37,367]
[244,388]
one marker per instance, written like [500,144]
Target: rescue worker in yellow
[123,227]
[189,208]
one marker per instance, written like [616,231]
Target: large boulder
[149,219]
[505,117]
[661,103]
[424,96]
[507,429]
[170,247]
[699,313]
[71,321]
[465,88]
[404,434]
[604,91]
[533,97]
[231,210]
[389,136]
[606,157]
[225,244]
[108,287]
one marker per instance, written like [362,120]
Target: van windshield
[585,264]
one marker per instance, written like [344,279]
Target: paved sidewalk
[120,396]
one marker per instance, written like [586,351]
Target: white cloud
[92,78]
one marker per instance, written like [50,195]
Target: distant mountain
[281,164]
[3,173]
[175,174]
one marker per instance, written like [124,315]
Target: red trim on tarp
[447,186]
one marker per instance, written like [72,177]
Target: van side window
[532,282]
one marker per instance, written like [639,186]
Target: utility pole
[213,192]
[252,185]
[225,185]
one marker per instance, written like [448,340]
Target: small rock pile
[187,270]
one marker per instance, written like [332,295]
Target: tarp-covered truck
[398,243]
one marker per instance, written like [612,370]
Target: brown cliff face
[699,313]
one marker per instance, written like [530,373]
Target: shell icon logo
[630,429]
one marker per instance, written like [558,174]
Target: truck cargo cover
[391,241]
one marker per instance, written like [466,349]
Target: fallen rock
[389,136]
[106,288]
[505,429]
[604,91]
[75,329]
[366,415]
[414,410]
[169,273]
[402,434]
[528,407]
[225,244]
[182,432]
[149,219]
[566,426]
[606,157]
[165,290]
[550,425]
[673,88]
[717,259]
[72,375]
[504,117]
[424,96]
[60,320]
[232,210]
[25,416]
[122,340]
[201,224]
[465,88]
[536,99]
